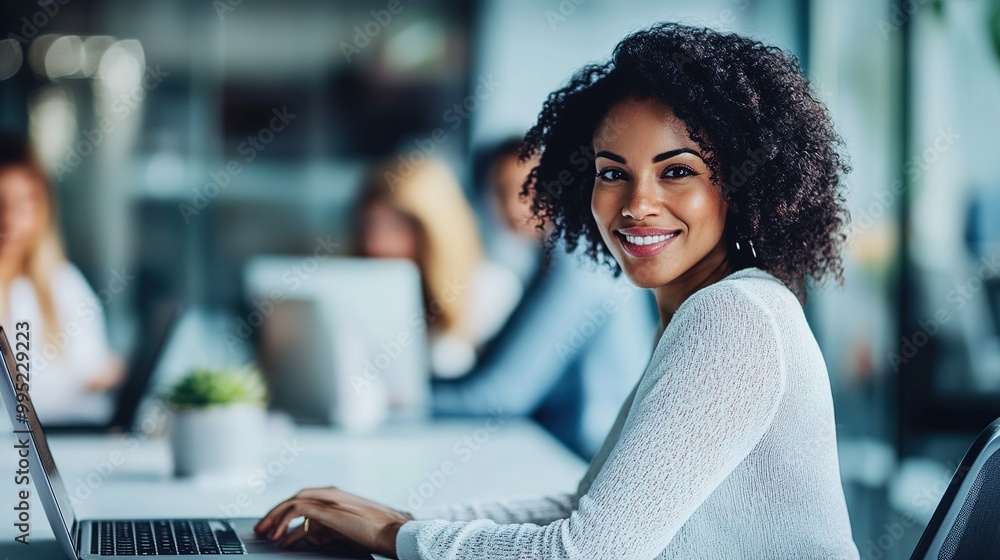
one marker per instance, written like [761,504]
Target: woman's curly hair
[768,141]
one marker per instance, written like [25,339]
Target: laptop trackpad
[256,544]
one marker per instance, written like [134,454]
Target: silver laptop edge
[28,429]
[73,535]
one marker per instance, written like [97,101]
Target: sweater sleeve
[706,400]
[530,510]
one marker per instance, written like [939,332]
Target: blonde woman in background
[72,368]
[420,213]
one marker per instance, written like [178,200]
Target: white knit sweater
[726,448]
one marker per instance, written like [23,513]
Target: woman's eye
[678,172]
[610,174]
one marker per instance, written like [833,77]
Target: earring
[752,250]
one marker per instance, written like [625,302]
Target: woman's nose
[642,200]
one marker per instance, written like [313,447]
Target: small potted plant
[218,422]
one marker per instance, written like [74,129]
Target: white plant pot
[221,441]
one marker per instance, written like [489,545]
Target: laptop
[86,539]
[142,365]
[336,330]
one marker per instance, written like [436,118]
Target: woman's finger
[317,535]
[325,536]
[296,507]
[293,536]
[266,523]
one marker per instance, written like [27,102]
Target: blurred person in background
[572,327]
[419,213]
[72,368]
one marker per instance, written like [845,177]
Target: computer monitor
[360,324]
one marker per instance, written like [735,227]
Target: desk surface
[401,466]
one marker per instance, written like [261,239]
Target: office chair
[966,523]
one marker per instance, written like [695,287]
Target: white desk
[390,466]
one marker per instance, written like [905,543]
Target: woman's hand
[335,515]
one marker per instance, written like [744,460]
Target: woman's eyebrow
[656,159]
[667,155]
[610,155]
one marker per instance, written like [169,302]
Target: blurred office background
[187,137]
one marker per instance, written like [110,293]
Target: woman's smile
[645,242]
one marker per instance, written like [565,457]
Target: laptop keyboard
[162,537]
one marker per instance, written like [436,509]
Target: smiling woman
[714,110]
[713,179]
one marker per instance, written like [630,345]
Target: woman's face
[657,210]
[21,208]
[387,233]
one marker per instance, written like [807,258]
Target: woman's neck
[669,297]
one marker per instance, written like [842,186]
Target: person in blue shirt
[573,347]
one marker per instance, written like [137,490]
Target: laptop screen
[51,490]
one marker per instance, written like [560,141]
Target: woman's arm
[539,511]
[710,394]
[96,367]
[709,397]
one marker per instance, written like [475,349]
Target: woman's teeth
[648,239]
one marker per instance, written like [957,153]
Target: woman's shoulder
[745,305]
[69,285]
[728,331]
[67,275]
[64,277]
[746,290]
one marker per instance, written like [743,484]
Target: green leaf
[205,387]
